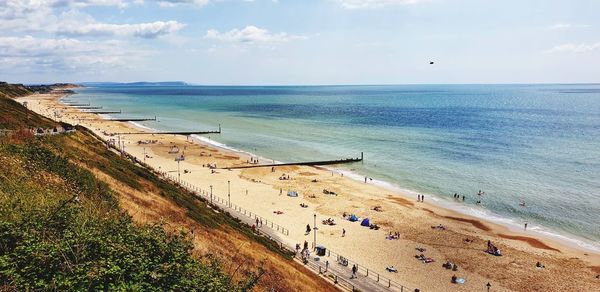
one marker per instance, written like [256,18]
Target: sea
[531,144]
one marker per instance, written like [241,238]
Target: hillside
[13,90]
[76,216]
[17,90]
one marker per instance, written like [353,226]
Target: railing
[214,198]
[336,280]
[368,273]
[378,278]
[382,280]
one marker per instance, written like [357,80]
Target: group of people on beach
[492,249]
[395,235]
[420,198]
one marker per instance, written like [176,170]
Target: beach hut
[365,222]
[353,218]
[292,194]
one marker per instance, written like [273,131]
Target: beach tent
[365,222]
[353,218]
[292,194]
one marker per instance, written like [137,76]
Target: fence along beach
[427,232]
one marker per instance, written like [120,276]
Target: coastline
[475,213]
[359,196]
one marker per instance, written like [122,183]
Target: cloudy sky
[271,42]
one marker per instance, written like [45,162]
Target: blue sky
[266,42]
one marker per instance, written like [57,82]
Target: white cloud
[358,4]
[144,30]
[43,16]
[251,35]
[565,26]
[66,54]
[573,48]
[173,3]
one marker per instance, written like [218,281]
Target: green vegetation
[15,116]
[62,229]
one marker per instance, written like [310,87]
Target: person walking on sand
[525,226]
[256,221]
[354,268]
[422,198]
[343,232]
[326,266]
[418,197]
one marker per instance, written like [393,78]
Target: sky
[300,42]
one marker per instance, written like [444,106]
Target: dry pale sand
[258,190]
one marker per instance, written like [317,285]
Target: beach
[462,240]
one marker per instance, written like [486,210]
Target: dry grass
[225,243]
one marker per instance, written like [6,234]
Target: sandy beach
[462,240]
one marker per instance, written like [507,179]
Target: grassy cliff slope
[74,215]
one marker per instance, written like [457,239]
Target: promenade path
[365,279]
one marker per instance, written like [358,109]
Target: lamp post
[488,285]
[315,230]
[179,159]
[229,194]
[211,194]
[144,155]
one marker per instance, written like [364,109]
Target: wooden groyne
[170,133]
[104,112]
[88,107]
[308,163]
[132,119]
[77,104]
[185,133]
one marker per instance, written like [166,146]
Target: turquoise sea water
[537,143]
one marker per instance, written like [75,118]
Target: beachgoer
[453,279]
[326,266]
[256,221]
[422,198]
[525,225]
[365,179]
[463,198]
[307,228]
[418,197]
[343,232]
[354,269]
